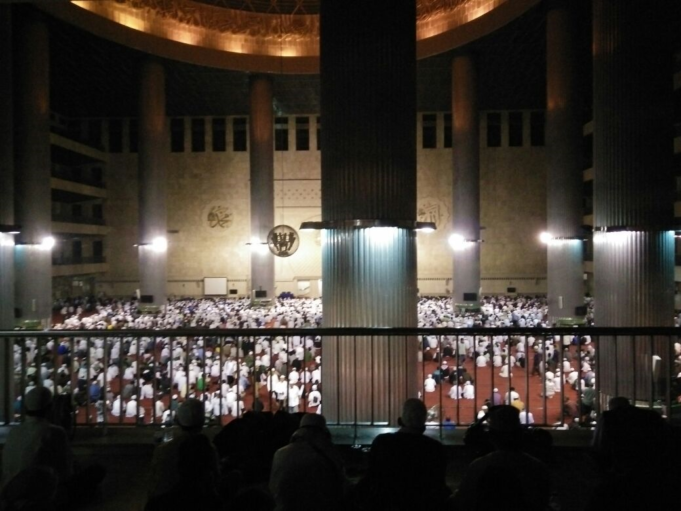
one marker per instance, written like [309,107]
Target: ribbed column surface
[368,96]
[565,278]
[6,323]
[6,118]
[368,92]
[466,182]
[32,157]
[369,281]
[634,285]
[633,187]
[564,157]
[261,126]
[153,148]
[633,114]
[6,214]
[6,170]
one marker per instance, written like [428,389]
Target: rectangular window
[429,131]
[240,140]
[133,135]
[198,135]
[115,136]
[319,133]
[77,251]
[73,127]
[98,250]
[537,129]
[97,175]
[77,210]
[97,211]
[177,135]
[515,129]
[302,133]
[448,130]
[281,133]
[494,129]
[94,132]
[219,135]
[588,152]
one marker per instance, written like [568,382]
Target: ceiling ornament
[253,35]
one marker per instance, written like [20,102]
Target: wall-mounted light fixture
[548,238]
[158,244]
[258,246]
[458,242]
[368,224]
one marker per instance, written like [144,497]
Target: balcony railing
[61,261]
[76,219]
[79,176]
[157,369]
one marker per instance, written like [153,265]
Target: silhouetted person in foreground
[507,478]
[198,487]
[634,449]
[38,454]
[308,473]
[165,467]
[406,469]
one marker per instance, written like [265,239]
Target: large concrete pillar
[368,91]
[152,154]
[633,190]
[466,182]
[32,164]
[564,155]
[6,213]
[261,129]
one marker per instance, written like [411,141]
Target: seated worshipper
[165,475]
[527,478]
[38,443]
[406,469]
[198,479]
[430,384]
[308,473]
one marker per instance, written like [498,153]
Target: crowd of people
[288,461]
[123,379]
[266,391]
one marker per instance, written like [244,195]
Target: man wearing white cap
[36,441]
[309,467]
[165,476]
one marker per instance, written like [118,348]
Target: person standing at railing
[165,474]
[406,469]
[38,443]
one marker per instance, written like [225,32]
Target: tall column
[633,189]
[32,162]
[261,130]
[6,213]
[368,91]
[152,154]
[466,182]
[564,155]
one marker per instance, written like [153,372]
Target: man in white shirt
[526,418]
[430,384]
[315,397]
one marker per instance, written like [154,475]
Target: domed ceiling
[266,35]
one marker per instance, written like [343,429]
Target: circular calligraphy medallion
[283,241]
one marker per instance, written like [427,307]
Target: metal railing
[61,261]
[103,371]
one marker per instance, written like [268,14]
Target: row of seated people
[288,461]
